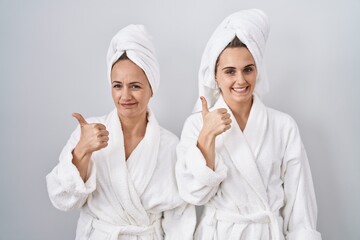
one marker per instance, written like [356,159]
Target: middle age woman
[119,169]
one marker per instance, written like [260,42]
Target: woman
[119,169]
[243,161]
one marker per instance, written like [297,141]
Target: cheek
[145,99]
[220,79]
[115,95]
[253,79]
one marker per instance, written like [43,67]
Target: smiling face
[131,90]
[236,76]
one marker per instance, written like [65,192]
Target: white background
[52,63]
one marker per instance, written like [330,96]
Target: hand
[93,137]
[216,121]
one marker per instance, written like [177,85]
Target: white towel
[135,41]
[252,28]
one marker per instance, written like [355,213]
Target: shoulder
[285,125]
[280,118]
[193,121]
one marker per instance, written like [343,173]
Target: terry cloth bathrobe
[130,199]
[261,187]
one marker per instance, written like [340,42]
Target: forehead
[127,70]
[236,56]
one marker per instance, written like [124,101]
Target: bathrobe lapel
[244,149]
[142,163]
[126,193]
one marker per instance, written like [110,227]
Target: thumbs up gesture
[216,121]
[94,137]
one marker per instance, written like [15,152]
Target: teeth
[240,89]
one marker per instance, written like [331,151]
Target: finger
[103,138]
[227,115]
[103,133]
[99,126]
[221,110]
[228,121]
[227,127]
[205,108]
[102,145]
[80,119]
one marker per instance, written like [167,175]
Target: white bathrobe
[261,187]
[133,199]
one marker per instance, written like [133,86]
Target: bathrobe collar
[244,146]
[128,192]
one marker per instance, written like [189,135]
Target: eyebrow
[249,65]
[129,83]
[228,68]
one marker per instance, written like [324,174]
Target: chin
[129,113]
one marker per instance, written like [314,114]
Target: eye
[135,86]
[249,69]
[230,71]
[117,85]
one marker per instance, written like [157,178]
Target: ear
[217,83]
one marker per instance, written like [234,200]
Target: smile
[128,105]
[240,90]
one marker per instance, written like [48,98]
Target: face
[131,90]
[236,76]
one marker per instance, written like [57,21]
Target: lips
[128,105]
[240,90]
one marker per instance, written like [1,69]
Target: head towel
[252,28]
[135,41]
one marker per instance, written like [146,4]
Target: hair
[122,57]
[235,43]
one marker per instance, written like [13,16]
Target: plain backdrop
[52,63]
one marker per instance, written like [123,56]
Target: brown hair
[122,57]
[235,43]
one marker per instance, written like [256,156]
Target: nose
[240,78]
[126,93]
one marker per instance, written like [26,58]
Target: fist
[216,121]
[93,137]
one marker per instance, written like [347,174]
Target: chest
[130,144]
[266,154]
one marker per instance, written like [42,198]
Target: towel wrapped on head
[135,41]
[252,28]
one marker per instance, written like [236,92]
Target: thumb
[80,119]
[204,105]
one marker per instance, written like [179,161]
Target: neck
[241,112]
[134,127]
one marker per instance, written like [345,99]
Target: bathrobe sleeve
[179,223]
[197,183]
[65,186]
[300,210]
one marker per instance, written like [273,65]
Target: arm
[66,188]
[300,211]
[179,223]
[73,179]
[197,182]
[214,123]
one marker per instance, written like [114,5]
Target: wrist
[206,140]
[79,153]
